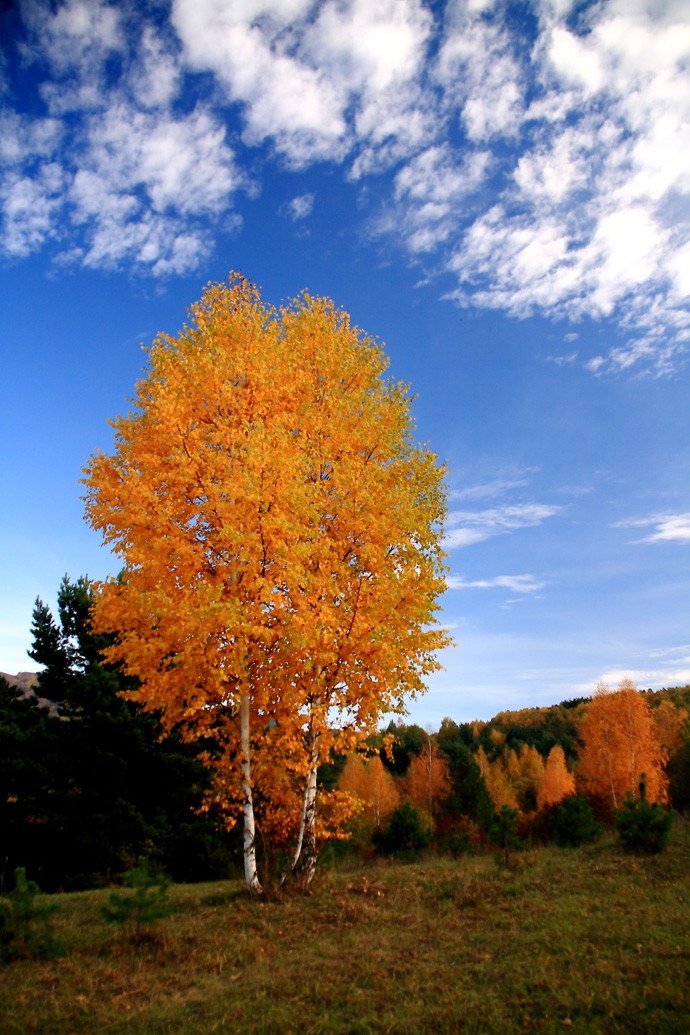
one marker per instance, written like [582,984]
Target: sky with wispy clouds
[500,192]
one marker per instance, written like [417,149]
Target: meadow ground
[586,940]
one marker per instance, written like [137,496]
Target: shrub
[143,904]
[643,826]
[406,835]
[24,928]
[574,823]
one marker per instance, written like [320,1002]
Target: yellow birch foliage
[280,536]
[556,782]
[619,744]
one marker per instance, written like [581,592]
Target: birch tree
[280,539]
[619,745]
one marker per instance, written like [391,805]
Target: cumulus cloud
[582,226]
[75,40]
[113,174]
[543,161]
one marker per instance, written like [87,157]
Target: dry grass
[590,941]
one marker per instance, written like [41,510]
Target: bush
[575,824]
[406,835]
[462,838]
[643,826]
[24,928]
[144,903]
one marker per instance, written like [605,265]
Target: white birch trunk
[614,799]
[305,858]
[250,874]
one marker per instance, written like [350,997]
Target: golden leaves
[279,531]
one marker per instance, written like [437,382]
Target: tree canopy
[280,534]
[619,746]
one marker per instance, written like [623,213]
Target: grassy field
[590,940]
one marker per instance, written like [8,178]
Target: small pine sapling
[575,824]
[145,901]
[406,835]
[643,826]
[24,922]
[503,832]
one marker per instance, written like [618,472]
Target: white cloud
[75,40]
[369,46]
[432,188]
[156,75]
[143,182]
[29,209]
[479,72]
[76,33]
[300,207]
[668,528]
[514,583]
[23,140]
[248,47]
[505,482]
[544,164]
[565,360]
[465,527]
[645,678]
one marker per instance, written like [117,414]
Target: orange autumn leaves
[620,744]
[426,784]
[280,535]
[524,780]
[621,736]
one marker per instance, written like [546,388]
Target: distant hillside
[26,681]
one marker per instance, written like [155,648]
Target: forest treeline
[89,783]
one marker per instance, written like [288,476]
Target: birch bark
[250,872]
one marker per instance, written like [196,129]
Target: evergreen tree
[88,786]
[468,795]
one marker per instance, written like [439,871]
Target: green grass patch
[588,940]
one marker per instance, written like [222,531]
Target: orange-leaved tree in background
[428,778]
[619,745]
[529,776]
[556,782]
[280,534]
[369,781]
[497,779]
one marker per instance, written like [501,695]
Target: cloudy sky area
[499,192]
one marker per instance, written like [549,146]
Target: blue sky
[499,192]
